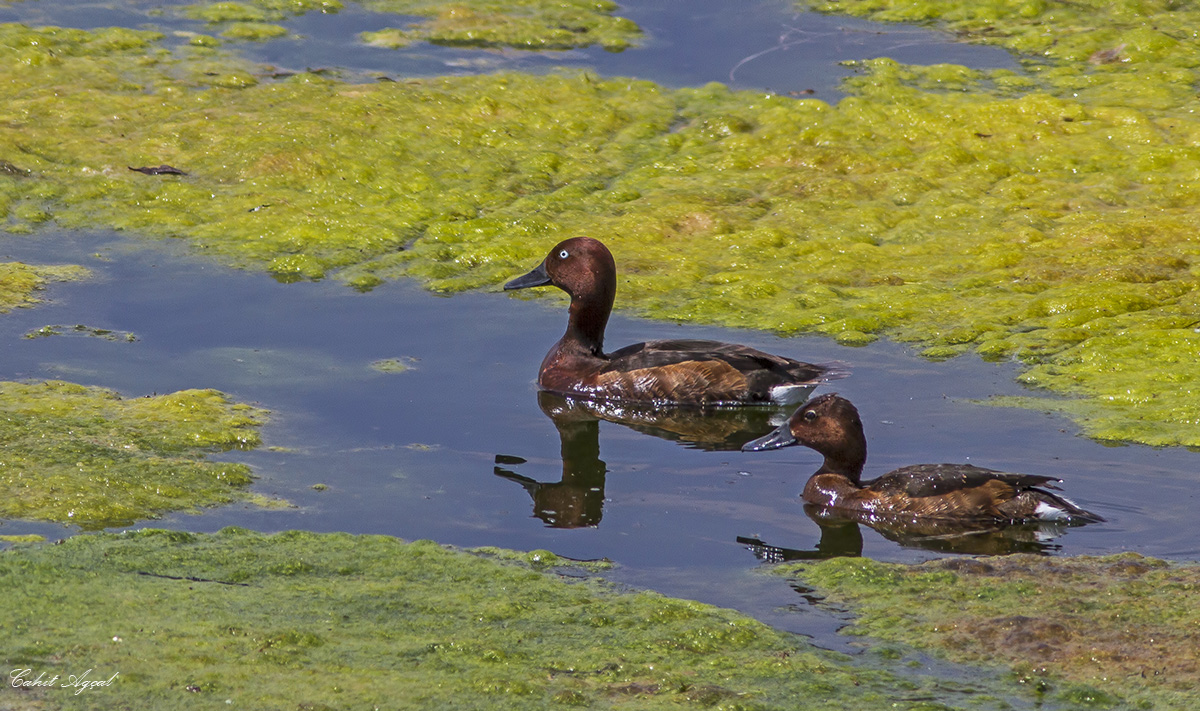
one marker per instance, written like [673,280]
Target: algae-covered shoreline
[309,620]
[1019,215]
[1114,632]
[336,620]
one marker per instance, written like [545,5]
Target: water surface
[415,454]
[746,45]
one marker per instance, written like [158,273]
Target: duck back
[688,372]
[920,480]
[967,491]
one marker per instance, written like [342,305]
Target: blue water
[414,454]
[745,44]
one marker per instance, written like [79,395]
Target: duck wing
[699,371]
[921,480]
[744,359]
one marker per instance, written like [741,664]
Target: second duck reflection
[577,499]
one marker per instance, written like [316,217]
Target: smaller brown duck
[674,372]
[830,425]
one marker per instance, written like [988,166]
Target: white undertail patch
[793,394]
[1050,512]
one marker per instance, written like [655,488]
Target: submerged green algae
[80,329]
[957,210]
[22,539]
[523,24]
[305,620]
[258,11]
[1111,632]
[20,283]
[253,31]
[394,365]
[254,21]
[85,456]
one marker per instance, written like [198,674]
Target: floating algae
[80,329]
[1018,215]
[258,11]
[20,282]
[1110,632]
[394,365]
[520,24]
[308,620]
[254,21]
[85,456]
[523,24]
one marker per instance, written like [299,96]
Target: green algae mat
[522,24]
[20,284]
[85,456]
[319,621]
[1046,215]
[1115,632]
[518,24]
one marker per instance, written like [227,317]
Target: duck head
[584,268]
[828,424]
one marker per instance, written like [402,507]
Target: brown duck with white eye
[674,372]
[830,425]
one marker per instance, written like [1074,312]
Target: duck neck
[587,320]
[848,460]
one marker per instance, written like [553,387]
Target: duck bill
[781,437]
[537,277]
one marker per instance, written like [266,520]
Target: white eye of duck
[810,415]
[564,254]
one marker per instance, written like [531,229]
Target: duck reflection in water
[577,500]
[718,429]
[841,536]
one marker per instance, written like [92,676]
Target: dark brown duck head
[584,268]
[828,424]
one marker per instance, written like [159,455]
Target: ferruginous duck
[669,372]
[830,425]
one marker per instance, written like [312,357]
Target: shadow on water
[713,430]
